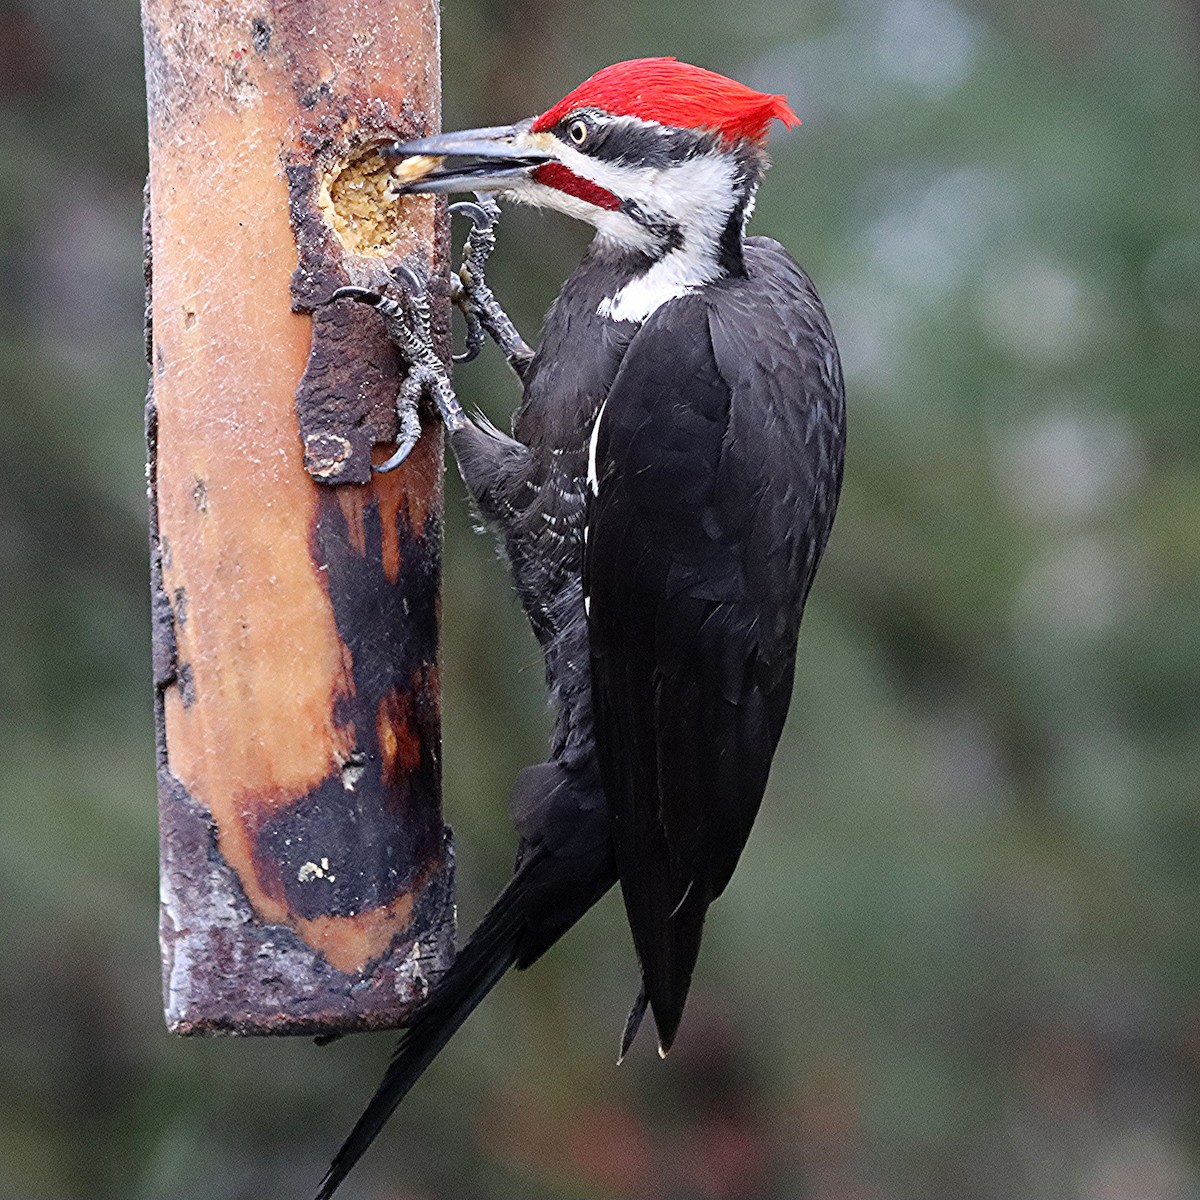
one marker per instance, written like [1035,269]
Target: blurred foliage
[960,958]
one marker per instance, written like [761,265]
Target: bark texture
[306,872]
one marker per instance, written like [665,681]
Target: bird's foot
[470,290]
[408,326]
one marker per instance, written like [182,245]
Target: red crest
[677,94]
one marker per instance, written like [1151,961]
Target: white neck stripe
[697,197]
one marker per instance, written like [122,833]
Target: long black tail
[491,950]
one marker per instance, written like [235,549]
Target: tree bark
[306,873]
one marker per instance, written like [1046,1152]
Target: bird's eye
[577,131]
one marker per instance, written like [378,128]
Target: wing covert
[718,463]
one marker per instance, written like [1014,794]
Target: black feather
[550,891]
[719,459]
[633,1023]
[720,456]
[478,968]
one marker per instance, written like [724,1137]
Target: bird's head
[655,153]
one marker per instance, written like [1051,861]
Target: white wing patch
[593,476]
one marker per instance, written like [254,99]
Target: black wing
[718,463]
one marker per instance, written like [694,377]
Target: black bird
[663,504]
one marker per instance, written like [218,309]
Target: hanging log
[306,872]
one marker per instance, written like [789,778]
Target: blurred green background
[961,957]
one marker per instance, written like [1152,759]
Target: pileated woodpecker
[663,504]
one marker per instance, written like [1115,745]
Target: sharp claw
[409,279]
[481,218]
[402,451]
[362,295]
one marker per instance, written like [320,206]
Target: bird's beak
[494,158]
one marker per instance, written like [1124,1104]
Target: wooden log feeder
[306,872]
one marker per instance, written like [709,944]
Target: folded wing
[718,461]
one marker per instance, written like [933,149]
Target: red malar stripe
[555,175]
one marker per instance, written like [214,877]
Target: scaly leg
[407,324]
[470,290]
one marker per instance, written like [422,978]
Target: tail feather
[633,1022]
[489,953]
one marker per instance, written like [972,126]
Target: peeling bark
[306,871]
